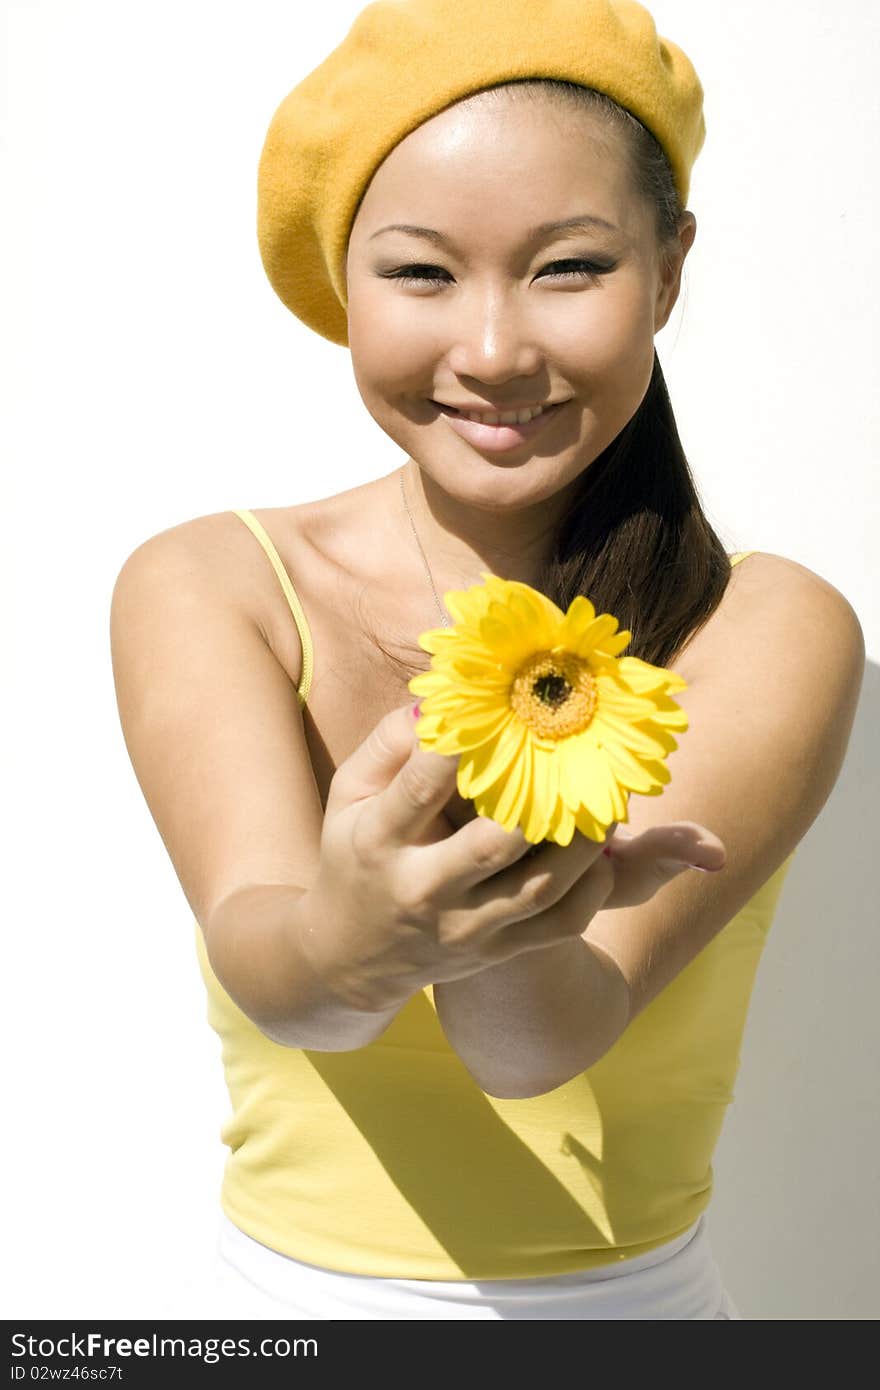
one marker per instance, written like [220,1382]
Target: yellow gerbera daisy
[554,727]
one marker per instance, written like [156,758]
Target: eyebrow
[587,222]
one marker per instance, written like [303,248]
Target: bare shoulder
[220,547]
[783,660]
[773,682]
[777,609]
[820,615]
[763,568]
[218,553]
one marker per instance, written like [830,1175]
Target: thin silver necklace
[444,617]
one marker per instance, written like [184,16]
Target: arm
[216,739]
[528,1025]
[774,680]
[253,944]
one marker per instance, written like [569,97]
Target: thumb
[376,761]
[644,863]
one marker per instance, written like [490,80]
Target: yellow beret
[402,62]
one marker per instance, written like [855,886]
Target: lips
[499,438]
[489,410]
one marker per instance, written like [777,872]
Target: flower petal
[489,801]
[610,729]
[588,825]
[609,647]
[527,760]
[588,778]
[600,629]
[428,682]
[500,799]
[562,825]
[615,696]
[509,643]
[485,763]
[642,677]
[579,616]
[542,794]
[466,606]
[570,770]
[503,590]
[461,737]
[632,772]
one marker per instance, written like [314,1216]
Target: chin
[493,484]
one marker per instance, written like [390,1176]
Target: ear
[671,265]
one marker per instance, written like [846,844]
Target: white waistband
[677,1280]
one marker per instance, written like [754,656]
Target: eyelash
[588,271]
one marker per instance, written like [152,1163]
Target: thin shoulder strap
[290,594]
[741,555]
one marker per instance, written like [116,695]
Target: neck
[461,540]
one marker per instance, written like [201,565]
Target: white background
[153,376]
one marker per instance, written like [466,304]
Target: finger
[376,761]
[566,919]
[409,809]
[533,884]
[478,851]
[644,863]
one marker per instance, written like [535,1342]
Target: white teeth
[508,417]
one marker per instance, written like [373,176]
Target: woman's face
[492,313]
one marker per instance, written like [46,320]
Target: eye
[417,273]
[580,269]
[576,269]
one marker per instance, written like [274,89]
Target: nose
[492,340]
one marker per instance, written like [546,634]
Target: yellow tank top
[390,1160]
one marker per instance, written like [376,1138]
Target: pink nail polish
[416,710]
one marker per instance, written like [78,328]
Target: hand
[645,862]
[403,899]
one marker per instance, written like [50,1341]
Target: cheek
[390,348]
[617,336]
[379,313]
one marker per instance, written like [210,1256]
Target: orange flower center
[554,694]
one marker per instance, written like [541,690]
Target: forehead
[492,158]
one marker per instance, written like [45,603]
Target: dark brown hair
[635,541]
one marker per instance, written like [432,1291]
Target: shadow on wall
[794,1220]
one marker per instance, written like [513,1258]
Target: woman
[473,1077]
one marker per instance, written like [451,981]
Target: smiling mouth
[502,437]
[478,417]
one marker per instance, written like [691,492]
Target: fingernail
[702,869]
[608,851]
[416,710]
